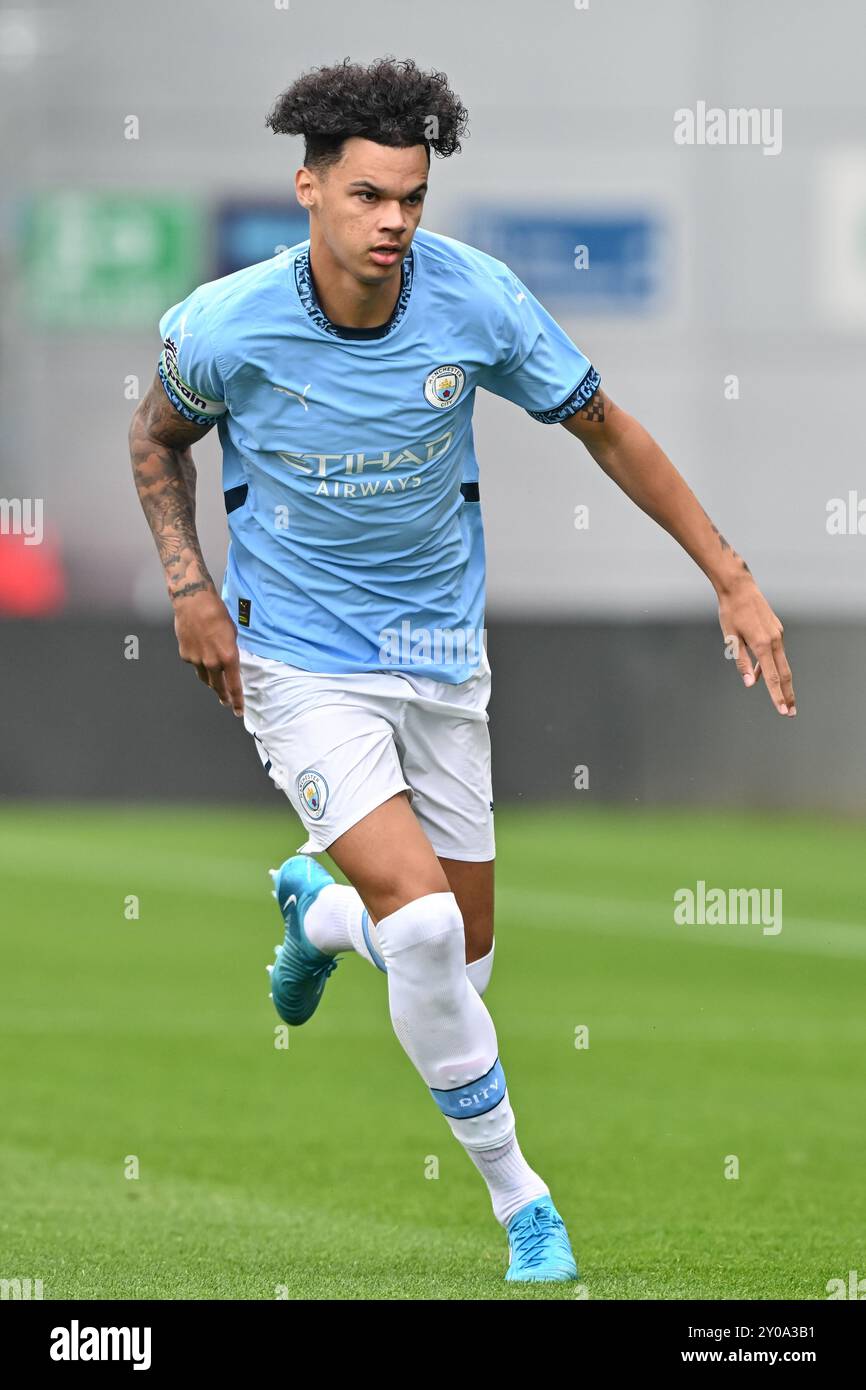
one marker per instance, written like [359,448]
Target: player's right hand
[207,639]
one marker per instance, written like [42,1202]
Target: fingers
[223,675]
[771,677]
[784,675]
[777,675]
[218,683]
[772,664]
[743,660]
[234,688]
[757,636]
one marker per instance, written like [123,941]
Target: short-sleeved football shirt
[349,468]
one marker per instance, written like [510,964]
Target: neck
[347,301]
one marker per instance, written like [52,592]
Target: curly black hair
[390,102]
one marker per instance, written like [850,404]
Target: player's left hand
[749,624]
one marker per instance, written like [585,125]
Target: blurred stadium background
[136,166]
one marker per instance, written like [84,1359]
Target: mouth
[386,254]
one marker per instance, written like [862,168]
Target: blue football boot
[538,1245]
[300,971]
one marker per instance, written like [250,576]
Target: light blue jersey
[349,467]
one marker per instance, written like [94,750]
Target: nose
[393,219]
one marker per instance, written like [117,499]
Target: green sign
[109,260]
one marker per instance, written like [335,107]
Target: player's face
[368,205]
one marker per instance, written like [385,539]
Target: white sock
[478,971]
[441,1022]
[444,1027]
[329,918]
[337,921]
[510,1180]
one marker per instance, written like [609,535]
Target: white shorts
[340,745]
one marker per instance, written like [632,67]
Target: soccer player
[341,375]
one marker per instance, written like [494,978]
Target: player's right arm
[160,441]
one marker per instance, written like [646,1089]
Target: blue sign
[600,262]
[249,230]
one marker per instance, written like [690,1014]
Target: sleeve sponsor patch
[182,395]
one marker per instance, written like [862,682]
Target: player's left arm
[630,456]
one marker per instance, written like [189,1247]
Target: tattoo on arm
[594,410]
[191,589]
[598,411]
[726,545]
[164,473]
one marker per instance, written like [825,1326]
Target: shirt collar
[307,296]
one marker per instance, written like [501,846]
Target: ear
[305,187]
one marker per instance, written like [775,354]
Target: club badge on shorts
[313,791]
[444,385]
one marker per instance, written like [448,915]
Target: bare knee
[393,888]
[389,859]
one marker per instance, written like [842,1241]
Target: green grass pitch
[301,1172]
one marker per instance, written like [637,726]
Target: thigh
[388,858]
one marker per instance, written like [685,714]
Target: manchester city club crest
[444,385]
[313,791]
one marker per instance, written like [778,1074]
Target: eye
[365,193]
